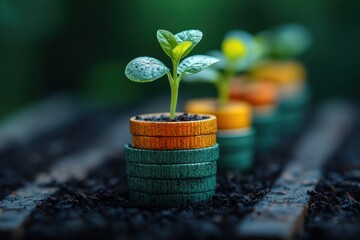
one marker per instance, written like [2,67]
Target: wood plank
[39,118]
[281,213]
[15,209]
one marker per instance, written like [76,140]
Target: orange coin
[172,129]
[234,115]
[255,93]
[280,72]
[174,143]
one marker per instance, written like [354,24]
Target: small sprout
[286,41]
[233,48]
[239,52]
[178,46]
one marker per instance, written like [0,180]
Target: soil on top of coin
[184,117]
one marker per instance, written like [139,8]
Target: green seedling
[178,46]
[286,41]
[239,52]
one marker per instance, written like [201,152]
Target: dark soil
[98,207]
[334,210]
[19,163]
[185,117]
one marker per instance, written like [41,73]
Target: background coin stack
[267,127]
[235,134]
[170,164]
[263,97]
[293,110]
[294,95]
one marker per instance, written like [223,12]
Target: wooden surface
[16,208]
[281,213]
[39,118]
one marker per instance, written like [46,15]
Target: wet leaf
[145,69]
[193,36]
[207,75]
[179,51]
[195,64]
[167,41]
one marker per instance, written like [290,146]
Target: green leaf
[223,62]
[179,50]
[193,36]
[195,64]
[145,69]
[208,75]
[167,41]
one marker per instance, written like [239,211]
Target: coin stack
[170,164]
[263,97]
[267,127]
[293,110]
[290,79]
[235,135]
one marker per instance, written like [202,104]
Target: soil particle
[184,117]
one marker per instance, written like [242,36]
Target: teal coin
[267,141]
[144,156]
[230,139]
[269,119]
[296,102]
[238,154]
[268,130]
[171,171]
[236,162]
[169,200]
[291,121]
[231,148]
[236,150]
[173,186]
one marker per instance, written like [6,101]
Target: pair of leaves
[147,69]
[179,45]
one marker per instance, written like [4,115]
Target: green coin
[192,185]
[271,120]
[267,124]
[268,129]
[144,156]
[169,200]
[236,162]
[171,171]
[296,102]
[236,150]
[267,141]
[235,147]
[291,121]
[228,139]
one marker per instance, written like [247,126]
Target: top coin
[141,127]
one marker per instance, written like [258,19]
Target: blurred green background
[47,46]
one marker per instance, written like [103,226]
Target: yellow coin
[234,115]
